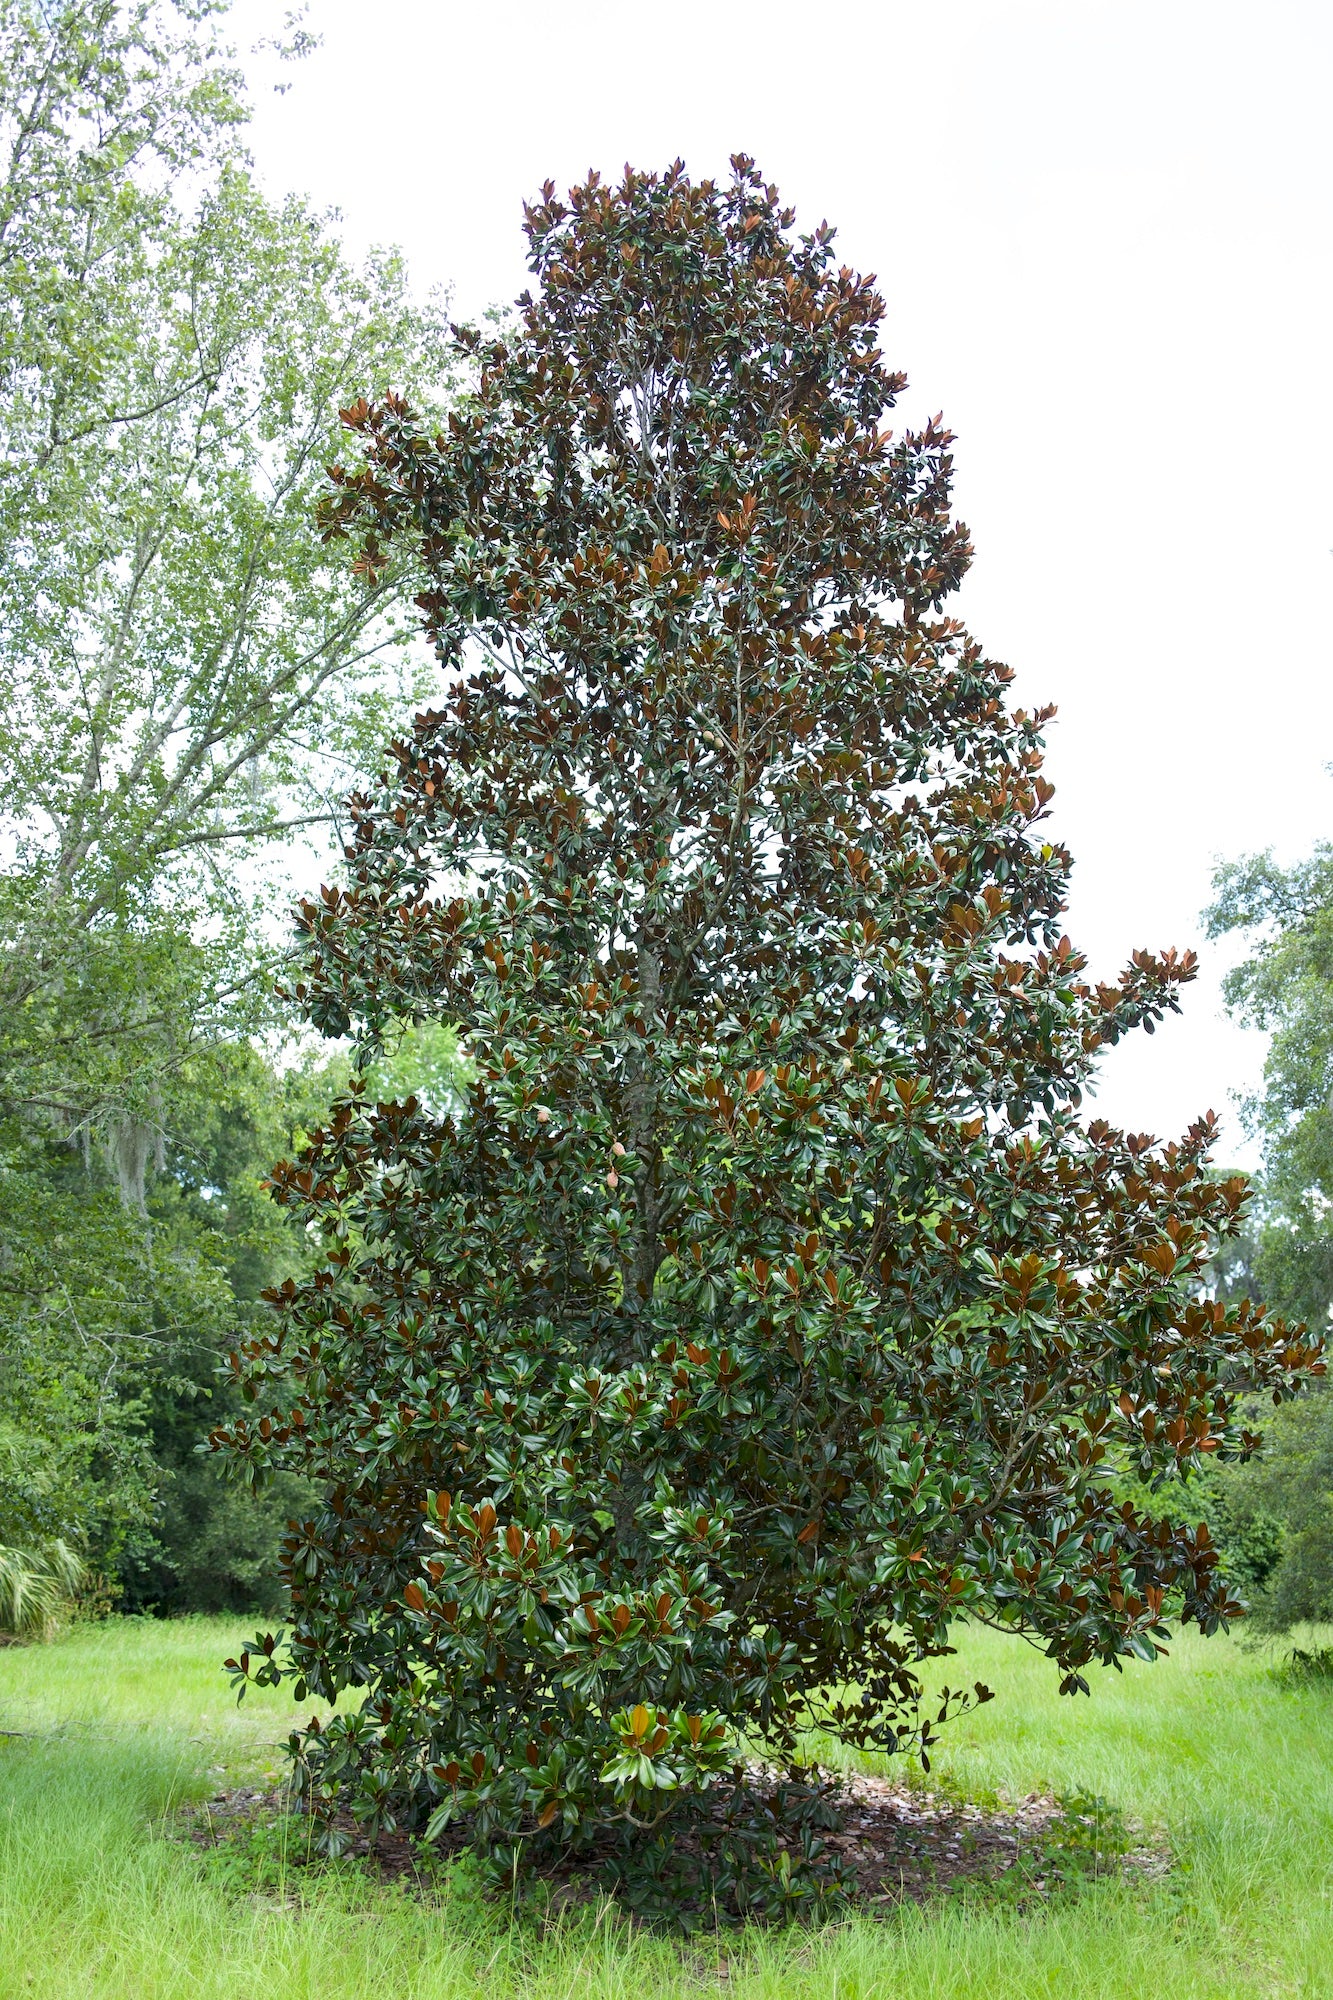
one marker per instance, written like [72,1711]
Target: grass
[129,1718]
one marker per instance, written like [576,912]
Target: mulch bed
[901,1843]
[907,1843]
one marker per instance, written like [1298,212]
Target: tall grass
[127,1719]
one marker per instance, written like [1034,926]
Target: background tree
[207,1542]
[181,668]
[1276,1515]
[1285,987]
[768,1308]
[185,685]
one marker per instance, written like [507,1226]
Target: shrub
[768,1307]
[1274,1518]
[1305,1667]
[37,1588]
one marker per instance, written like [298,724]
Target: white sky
[1103,235]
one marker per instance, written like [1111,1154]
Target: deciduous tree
[185,681]
[184,678]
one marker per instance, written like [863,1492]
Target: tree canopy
[768,1306]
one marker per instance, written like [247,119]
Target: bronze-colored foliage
[769,1307]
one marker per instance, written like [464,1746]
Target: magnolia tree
[767,1308]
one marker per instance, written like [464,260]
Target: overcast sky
[1102,232]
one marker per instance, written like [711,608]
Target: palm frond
[36,1585]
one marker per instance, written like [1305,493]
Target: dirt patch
[261,1833]
[904,1843]
[897,1842]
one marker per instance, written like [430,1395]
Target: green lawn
[127,1717]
